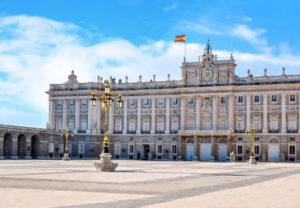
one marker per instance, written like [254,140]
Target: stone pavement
[148,184]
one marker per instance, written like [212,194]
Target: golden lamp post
[66,133]
[106,102]
[252,131]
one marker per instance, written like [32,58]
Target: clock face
[207,75]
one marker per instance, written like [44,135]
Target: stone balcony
[205,132]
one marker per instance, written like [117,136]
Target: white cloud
[32,57]
[171,7]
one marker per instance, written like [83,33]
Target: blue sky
[42,41]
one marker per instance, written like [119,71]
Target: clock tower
[208,70]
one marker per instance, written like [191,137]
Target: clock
[207,74]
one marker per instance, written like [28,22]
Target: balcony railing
[173,131]
[159,131]
[102,131]
[292,131]
[81,131]
[131,132]
[239,131]
[205,132]
[117,132]
[145,132]
[273,131]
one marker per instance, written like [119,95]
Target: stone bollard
[105,163]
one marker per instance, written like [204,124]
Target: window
[160,102]
[71,125]
[59,104]
[292,124]
[240,99]
[71,104]
[84,103]
[132,103]
[131,126]
[240,149]
[257,123]
[240,138]
[191,124]
[207,123]
[223,100]
[146,125]
[80,147]
[118,125]
[160,125]
[256,99]
[58,124]
[292,139]
[69,147]
[256,149]
[191,101]
[174,149]
[174,124]
[240,124]
[256,139]
[175,101]
[292,150]
[51,147]
[273,98]
[159,149]
[61,148]
[274,124]
[292,98]
[117,148]
[131,149]
[206,98]
[146,103]
[83,125]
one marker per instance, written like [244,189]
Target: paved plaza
[148,184]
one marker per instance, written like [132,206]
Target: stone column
[195,149]
[94,117]
[111,119]
[1,147]
[139,116]
[77,116]
[213,154]
[230,113]
[180,148]
[248,112]
[167,131]
[283,113]
[198,106]
[265,114]
[52,112]
[65,113]
[182,114]
[153,115]
[89,130]
[98,117]
[125,116]
[28,146]
[215,113]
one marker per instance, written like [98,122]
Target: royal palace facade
[203,116]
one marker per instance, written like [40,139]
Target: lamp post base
[252,160]
[66,157]
[105,163]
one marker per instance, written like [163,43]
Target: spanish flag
[180,38]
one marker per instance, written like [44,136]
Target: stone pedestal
[232,157]
[252,160]
[282,157]
[105,163]
[66,157]
[264,157]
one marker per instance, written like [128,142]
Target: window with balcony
[191,123]
[159,149]
[174,125]
[118,126]
[207,123]
[160,125]
[240,99]
[292,124]
[83,125]
[146,126]
[240,124]
[292,98]
[131,125]
[292,150]
[257,123]
[223,124]
[174,149]
[274,124]
[239,149]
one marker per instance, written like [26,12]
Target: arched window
[222,123]
[191,123]
[206,123]
[118,125]
[83,124]
[131,126]
[160,124]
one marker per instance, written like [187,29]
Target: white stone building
[203,116]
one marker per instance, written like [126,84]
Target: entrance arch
[222,150]
[190,150]
[21,146]
[7,146]
[273,150]
[34,147]
[205,150]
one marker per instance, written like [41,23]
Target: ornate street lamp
[106,102]
[252,131]
[66,133]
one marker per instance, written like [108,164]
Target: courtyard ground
[148,184]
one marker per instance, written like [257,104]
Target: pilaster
[153,115]
[248,112]
[52,107]
[77,115]
[14,153]
[111,119]
[65,113]
[195,149]
[138,130]
[198,104]
[1,147]
[230,113]
[283,113]
[182,113]
[265,114]
[215,112]
[125,116]
[89,117]
[167,131]
[28,148]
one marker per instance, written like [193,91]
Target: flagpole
[185,49]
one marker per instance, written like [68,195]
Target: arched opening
[222,150]
[273,150]
[190,150]
[21,146]
[205,150]
[7,146]
[34,147]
